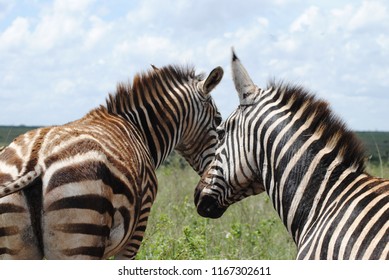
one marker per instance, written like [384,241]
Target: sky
[60,59]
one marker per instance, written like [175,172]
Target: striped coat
[84,190]
[285,142]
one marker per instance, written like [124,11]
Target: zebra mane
[126,93]
[332,129]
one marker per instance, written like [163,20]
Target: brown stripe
[85,145]
[80,147]
[4,178]
[83,228]
[35,149]
[90,171]
[10,208]
[11,158]
[90,202]
[8,251]
[7,231]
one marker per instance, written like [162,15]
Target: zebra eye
[220,133]
[218,120]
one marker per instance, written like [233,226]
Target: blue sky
[59,59]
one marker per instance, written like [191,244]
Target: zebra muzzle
[207,205]
[209,208]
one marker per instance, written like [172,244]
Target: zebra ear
[212,80]
[244,85]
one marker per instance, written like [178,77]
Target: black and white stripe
[285,142]
[84,190]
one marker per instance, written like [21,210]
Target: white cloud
[71,6]
[15,35]
[61,23]
[339,17]
[383,41]
[64,86]
[99,29]
[249,34]
[217,50]
[54,30]
[302,70]
[306,20]
[144,12]
[55,26]
[74,52]
[148,47]
[370,13]
[287,43]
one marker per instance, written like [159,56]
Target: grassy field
[248,230]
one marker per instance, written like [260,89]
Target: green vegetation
[376,144]
[8,133]
[250,229]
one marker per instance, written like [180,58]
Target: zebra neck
[160,137]
[157,103]
[304,188]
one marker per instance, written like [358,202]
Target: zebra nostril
[208,207]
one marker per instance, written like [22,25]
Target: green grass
[378,170]
[248,230]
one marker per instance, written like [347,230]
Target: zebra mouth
[209,208]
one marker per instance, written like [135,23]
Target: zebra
[288,143]
[84,190]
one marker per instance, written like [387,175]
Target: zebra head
[199,138]
[232,175]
